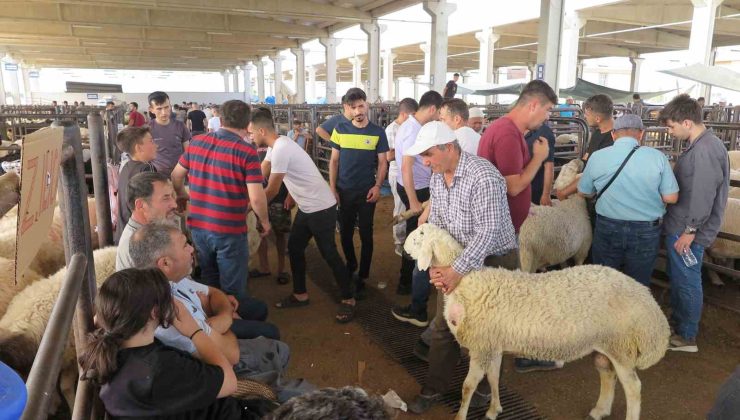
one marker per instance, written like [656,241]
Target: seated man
[163,246]
[152,199]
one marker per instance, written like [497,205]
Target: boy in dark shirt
[139,144]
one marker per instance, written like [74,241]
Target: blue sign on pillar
[540,73]
[11,66]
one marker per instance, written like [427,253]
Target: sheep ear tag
[424,260]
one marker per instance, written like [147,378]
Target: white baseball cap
[475,113]
[431,134]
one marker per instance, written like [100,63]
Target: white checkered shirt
[474,210]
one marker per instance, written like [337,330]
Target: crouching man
[474,210]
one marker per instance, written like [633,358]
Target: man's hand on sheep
[415,207]
[445,278]
[545,200]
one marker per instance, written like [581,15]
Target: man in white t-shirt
[454,114]
[214,123]
[406,108]
[316,216]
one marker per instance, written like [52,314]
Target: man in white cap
[468,199]
[475,119]
[632,185]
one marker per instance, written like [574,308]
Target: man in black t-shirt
[451,87]
[197,121]
[542,181]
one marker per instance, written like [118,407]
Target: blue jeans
[687,295]
[420,287]
[223,260]
[252,325]
[630,247]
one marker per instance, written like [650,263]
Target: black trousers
[319,225]
[353,205]
[407,264]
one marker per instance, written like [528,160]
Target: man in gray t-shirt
[170,135]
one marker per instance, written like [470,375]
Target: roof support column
[330,43]
[260,80]
[26,86]
[494,99]
[277,61]
[572,25]
[635,75]
[466,76]
[579,69]
[311,83]
[10,68]
[3,94]
[373,31]
[300,74]
[548,41]
[235,78]
[389,84]
[702,31]
[357,71]
[416,80]
[439,10]
[247,68]
[487,39]
[396,90]
[225,73]
[427,63]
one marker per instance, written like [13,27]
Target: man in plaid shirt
[468,199]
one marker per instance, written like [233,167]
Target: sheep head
[431,243]
[568,173]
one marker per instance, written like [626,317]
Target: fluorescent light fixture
[220,33]
[248,11]
[188,57]
[297,37]
[86,26]
[96,43]
[182,64]
[200,48]
[30,51]
[628,41]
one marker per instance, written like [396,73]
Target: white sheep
[553,234]
[561,315]
[734,156]
[566,139]
[725,251]
[24,322]
[8,287]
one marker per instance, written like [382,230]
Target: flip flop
[283,278]
[291,302]
[255,274]
[346,313]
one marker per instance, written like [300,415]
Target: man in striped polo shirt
[225,177]
[356,147]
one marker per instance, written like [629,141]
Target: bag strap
[617,173]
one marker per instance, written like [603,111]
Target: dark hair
[235,114]
[431,98]
[142,186]
[262,117]
[136,105]
[332,403]
[600,104]
[681,108]
[354,94]
[701,98]
[157,98]
[408,105]
[129,137]
[150,243]
[635,96]
[297,122]
[456,75]
[176,107]
[537,89]
[457,107]
[123,307]
[106,104]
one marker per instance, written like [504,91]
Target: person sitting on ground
[317,211]
[163,246]
[300,135]
[137,142]
[138,374]
[343,403]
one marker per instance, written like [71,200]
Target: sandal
[291,302]
[346,313]
[255,274]
[283,278]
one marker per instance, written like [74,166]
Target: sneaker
[423,402]
[421,350]
[523,365]
[679,343]
[403,290]
[404,314]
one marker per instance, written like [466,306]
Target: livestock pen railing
[21,120]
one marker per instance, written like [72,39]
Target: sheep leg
[608,383]
[475,374]
[494,368]
[632,387]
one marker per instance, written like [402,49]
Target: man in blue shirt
[357,169]
[630,211]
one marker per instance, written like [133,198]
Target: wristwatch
[690,230]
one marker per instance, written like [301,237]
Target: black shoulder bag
[600,193]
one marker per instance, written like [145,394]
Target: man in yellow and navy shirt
[358,148]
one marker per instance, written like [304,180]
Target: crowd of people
[191,334]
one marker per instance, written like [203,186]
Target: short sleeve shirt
[156,381]
[186,291]
[451,89]
[538,181]
[503,145]
[214,123]
[129,170]
[220,165]
[359,153]
[137,118]
[405,138]
[330,124]
[635,194]
[169,140]
[196,120]
[599,141]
